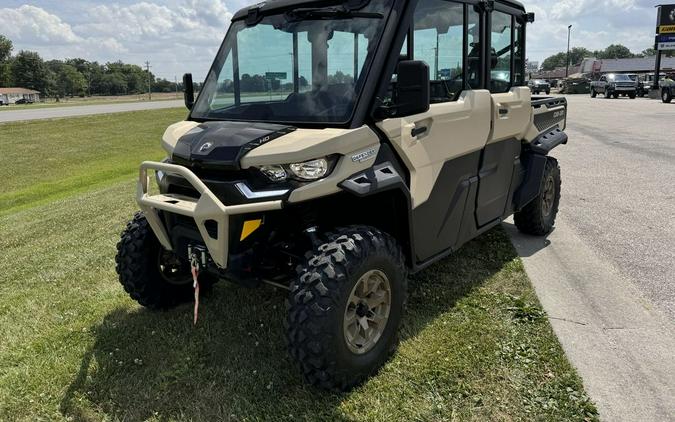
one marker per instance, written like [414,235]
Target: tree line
[577,54]
[74,77]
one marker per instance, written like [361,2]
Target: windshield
[620,78]
[303,66]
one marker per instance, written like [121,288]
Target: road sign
[665,23]
[276,75]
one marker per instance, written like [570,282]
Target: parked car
[641,91]
[648,81]
[613,85]
[23,101]
[539,85]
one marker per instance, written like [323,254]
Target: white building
[11,95]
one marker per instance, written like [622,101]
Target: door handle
[417,131]
[503,111]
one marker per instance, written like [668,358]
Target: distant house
[11,95]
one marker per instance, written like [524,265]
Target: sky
[178,36]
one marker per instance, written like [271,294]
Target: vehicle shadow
[526,245]
[233,365]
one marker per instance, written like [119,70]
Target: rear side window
[438,40]
[501,48]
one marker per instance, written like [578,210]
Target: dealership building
[593,68]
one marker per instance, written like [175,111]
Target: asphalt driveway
[606,275]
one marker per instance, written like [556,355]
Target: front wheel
[345,308]
[593,93]
[666,96]
[154,277]
[608,93]
[538,216]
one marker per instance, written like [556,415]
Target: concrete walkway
[622,346]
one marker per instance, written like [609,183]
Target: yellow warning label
[666,29]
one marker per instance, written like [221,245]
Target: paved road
[606,275]
[84,110]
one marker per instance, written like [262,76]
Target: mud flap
[534,164]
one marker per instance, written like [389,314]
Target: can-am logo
[205,146]
[363,156]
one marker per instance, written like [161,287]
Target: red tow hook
[194,255]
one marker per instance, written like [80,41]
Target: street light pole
[567,62]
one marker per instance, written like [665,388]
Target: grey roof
[639,64]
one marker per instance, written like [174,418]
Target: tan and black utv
[334,147]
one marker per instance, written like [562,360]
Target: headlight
[274,173]
[310,170]
[305,171]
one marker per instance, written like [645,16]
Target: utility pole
[175,81]
[147,69]
[567,63]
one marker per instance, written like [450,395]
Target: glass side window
[438,39]
[501,48]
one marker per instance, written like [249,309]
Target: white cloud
[175,39]
[595,25]
[178,36]
[33,24]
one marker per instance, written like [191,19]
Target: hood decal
[220,145]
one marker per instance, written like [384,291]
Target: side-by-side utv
[336,146]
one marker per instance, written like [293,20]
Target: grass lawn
[475,343]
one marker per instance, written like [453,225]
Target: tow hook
[197,258]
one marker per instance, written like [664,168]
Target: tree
[28,70]
[5,48]
[648,52]
[577,55]
[614,51]
[5,58]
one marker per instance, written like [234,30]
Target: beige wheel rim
[367,311]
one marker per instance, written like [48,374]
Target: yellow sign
[666,29]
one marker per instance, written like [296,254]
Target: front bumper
[206,208]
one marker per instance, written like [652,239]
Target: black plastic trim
[545,142]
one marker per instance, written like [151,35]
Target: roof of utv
[274,6]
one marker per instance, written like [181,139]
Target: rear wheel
[666,95]
[632,95]
[615,95]
[154,277]
[608,94]
[548,91]
[538,217]
[345,308]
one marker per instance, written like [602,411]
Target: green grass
[49,159]
[475,343]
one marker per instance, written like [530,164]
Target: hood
[221,144]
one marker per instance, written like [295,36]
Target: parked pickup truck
[613,85]
[539,85]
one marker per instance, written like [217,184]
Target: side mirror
[412,87]
[188,91]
